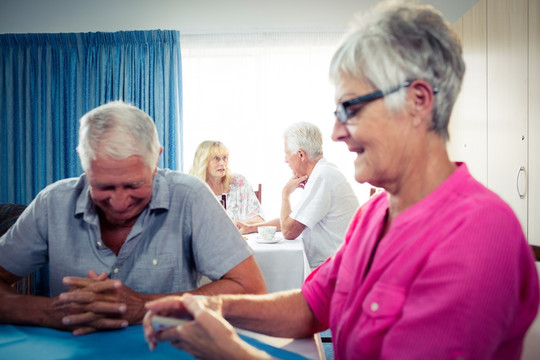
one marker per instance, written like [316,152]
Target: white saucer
[276,239]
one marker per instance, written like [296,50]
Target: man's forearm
[224,286]
[285,209]
[29,310]
[290,228]
[244,278]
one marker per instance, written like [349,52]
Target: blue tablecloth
[27,342]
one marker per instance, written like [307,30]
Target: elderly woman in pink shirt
[435,267]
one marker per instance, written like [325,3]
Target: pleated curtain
[48,81]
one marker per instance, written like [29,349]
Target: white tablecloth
[284,264]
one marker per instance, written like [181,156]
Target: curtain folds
[48,81]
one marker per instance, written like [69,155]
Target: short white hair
[305,136]
[120,131]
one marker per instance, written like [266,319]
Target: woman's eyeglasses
[342,113]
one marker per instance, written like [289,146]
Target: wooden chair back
[258,193]
[536,251]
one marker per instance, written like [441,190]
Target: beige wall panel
[507,75]
[468,127]
[534,122]
[455,127]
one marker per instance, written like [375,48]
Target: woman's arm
[284,314]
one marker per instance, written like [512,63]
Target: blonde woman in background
[211,164]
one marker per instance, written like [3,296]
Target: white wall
[34,16]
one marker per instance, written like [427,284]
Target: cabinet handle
[520,171]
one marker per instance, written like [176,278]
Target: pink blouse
[453,278]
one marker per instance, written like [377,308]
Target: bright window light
[245,89]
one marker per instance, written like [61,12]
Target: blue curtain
[48,81]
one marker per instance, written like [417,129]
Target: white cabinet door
[534,122]
[507,102]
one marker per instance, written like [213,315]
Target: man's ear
[156,168]
[302,154]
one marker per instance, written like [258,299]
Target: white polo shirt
[326,207]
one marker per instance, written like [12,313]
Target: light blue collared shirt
[182,234]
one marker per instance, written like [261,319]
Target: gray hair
[120,131]
[400,41]
[306,136]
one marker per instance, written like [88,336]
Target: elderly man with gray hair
[122,233]
[327,203]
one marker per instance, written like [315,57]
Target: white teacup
[266,233]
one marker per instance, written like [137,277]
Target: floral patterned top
[242,203]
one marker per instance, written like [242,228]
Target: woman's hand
[245,228]
[207,336]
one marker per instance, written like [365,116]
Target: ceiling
[33,16]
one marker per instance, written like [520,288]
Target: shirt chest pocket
[381,308]
[384,300]
[153,274]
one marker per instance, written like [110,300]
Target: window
[245,89]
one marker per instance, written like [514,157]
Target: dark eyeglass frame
[343,115]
